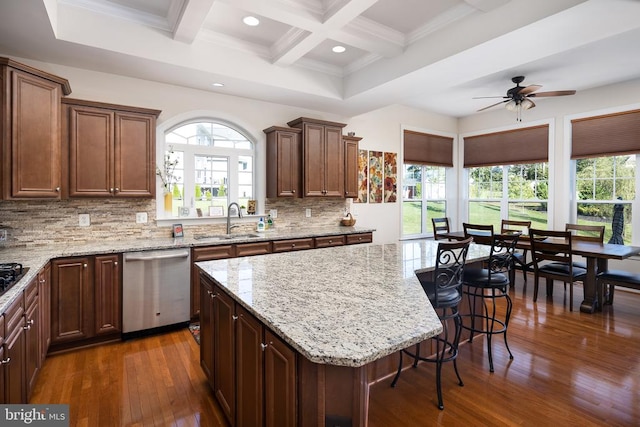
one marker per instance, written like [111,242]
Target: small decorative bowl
[349,221]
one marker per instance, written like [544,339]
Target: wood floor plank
[569,368]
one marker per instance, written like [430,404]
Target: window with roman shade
[606,150]
[427,160]
[427,149]
[512,147]
[508,176]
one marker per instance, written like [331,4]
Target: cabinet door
[314,160]
[327,241]
[249,374]
[351,168]
[90,135]
[15,374]
[108,294]
[224,369]
[32,341]
[207,297]
[44,295]
[33,158]
[280,391]
[3,361]
[207,253]
[71,300]
[333,168]
[284,151]
[134,155]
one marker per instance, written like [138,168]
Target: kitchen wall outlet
[84,220]
[141,218]
[307,213]
[3,235]
[273,213]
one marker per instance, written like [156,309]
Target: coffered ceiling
[429,54]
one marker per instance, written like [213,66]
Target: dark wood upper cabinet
[322,157]
[351,166]
[111,149]
[284,151]
[30,127]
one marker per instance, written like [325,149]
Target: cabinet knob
[57,189]
[293,191]
[293,245]
[117,189]
[85,265]
[234,317]
[5,361]
[115,263]
[263,346]
[111,190]
[330,241]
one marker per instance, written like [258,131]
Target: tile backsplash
[42,222]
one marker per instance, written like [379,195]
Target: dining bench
[607,280]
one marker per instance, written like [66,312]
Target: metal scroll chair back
[440,227]
[443,288]
[519,257]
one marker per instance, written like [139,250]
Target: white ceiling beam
[191,19]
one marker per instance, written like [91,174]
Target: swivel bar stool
[485,287]
[443,288]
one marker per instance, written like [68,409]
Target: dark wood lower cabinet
[251,371]
[15,388]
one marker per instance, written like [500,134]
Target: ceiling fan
[518,98]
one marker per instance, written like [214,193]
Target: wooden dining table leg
[590,302]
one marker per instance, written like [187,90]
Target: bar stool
[443,288]
[490,284]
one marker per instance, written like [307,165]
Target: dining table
[597,256]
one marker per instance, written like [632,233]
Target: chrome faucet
[229,227]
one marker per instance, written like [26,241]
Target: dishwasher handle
[136,257]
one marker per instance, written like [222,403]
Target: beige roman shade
[426,149]
[609,135]
[512,147]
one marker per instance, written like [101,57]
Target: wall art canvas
[376,176]
[390,177]
[363,177]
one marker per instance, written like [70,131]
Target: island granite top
[345,306]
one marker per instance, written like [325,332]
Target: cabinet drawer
[359,238]
[292,245]
[248,249]
[212,252]
[31,293]
[324,242]
[14,319]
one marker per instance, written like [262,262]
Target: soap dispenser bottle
[260,226]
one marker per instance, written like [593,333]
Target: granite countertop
[345,306]
[35,257]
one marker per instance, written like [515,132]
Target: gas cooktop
[10,274]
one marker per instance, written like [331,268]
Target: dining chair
[482,234]
[519,258]
[553,260]
[485,287]
[585,233]
[440,227]
[443,288]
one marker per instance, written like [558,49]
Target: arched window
[207,164]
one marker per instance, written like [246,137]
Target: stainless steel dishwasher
[155,289]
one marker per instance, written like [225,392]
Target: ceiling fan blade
[528,89]
[493,105]
[553,93]
[485,97]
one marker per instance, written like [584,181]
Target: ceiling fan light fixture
[251,21]
[511,105]
[526,104]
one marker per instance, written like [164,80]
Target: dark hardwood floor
[570,368]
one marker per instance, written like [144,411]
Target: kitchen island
[338,309]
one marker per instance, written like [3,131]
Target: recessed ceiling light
[339,49]
[217,84]
[251,21]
